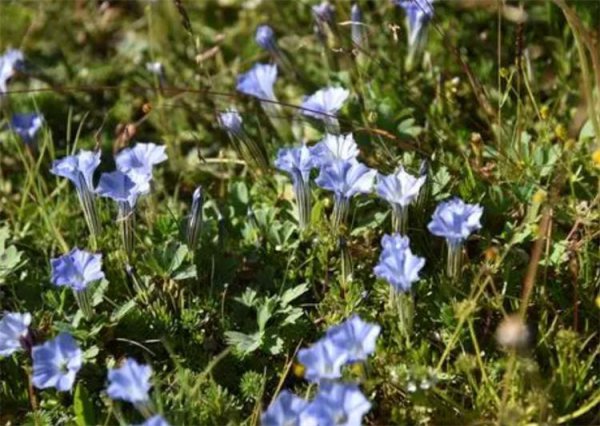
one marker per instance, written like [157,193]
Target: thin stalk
[84,301]
[341,206]
[454,261]
[126,219]
[399,218]
[303,201]
[403,305]
[346,261]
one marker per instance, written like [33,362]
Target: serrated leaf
[83,407]
[293,293]
[244,343]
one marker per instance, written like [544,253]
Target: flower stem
[88,205]
[346,261]
[404,307]
[126,219]
[83,299]
[341,206]
[399,218]
[303,201]
[454,263]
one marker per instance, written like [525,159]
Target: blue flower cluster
[336,403]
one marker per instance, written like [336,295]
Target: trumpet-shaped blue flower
[325,103]
[79,168]
[13,328]
[77,269]
[121,188]
[231,121]
[285,410]
[336,404]
[397,264]
[10,62]
[297,161]
[26,125]
[335,147]
[346,178]
[322,361]
[455,220]
[265,37]
[56,363]
[356,337]
[258,82]
[400,188]
[129,383]
[156,420]
[418,14]
[139,160]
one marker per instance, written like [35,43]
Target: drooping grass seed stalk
[194,224]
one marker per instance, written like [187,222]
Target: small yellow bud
[596,157]
[503,72]
[298,370]
[544,112]
[539,196]
[561,132]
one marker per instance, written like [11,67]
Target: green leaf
[177,257]
[293,293]
[244,343]
[83,407]
[121,311]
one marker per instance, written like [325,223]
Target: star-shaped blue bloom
[336,404]
[130,382]
[56,363]
[356,337]
[322,361]
[285,410]
[121,188]
[77,269]
[335,147]
[79,168]
[265,37]
[346,178]
[140,159]
[325,103]
[323,12]
[297,161]
[26,125]
[455,220]
[13,328]
[397,264]
[400,188]
[258,82]
[10,62]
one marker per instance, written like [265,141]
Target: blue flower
[231,121]
[397,264]
[297,161]
[346,178]
[26,125]
[10,62]
[325,103]
[335,147]
[455,220]
[139,160]
[258,82]
[156,420]
[285,410]
[129,383]
[356,337]
[79,168]
[323,12]
[265,37]
[322,361]
[121,188]
[356,18]
[13,328]
[56,362]
[400,188]
[336,404]
[418,14]
[77,269]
